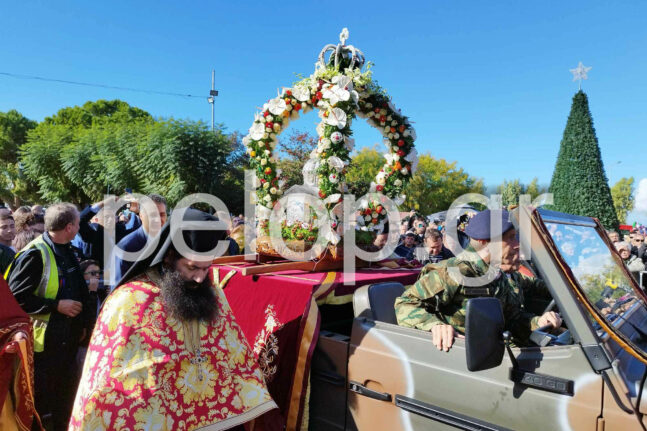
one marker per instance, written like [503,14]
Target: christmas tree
[579,183]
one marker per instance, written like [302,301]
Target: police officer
[436,302]
[47,282]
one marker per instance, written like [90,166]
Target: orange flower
[397,166]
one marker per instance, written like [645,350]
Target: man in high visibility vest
[47,282]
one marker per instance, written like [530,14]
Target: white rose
[404,171]
[273,190]
[336,163]
[256,131]
[387,130]
[397,183]
[266,185]
[367,218]
[394,123]
[267,152]
[267,198]
[374,215]
[263,162]
[277,106]
[301,93]
[381,178]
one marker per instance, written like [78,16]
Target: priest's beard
[186,299]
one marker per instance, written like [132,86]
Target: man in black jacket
[92,234]
[47,282]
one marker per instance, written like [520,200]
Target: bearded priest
[166,352]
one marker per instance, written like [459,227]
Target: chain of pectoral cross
[198,359]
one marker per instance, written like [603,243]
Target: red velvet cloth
[279,319]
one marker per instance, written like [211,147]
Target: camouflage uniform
[437,299]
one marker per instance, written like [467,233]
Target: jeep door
[399,380]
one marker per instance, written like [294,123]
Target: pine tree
[579,183]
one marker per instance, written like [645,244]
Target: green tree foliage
[294,152]
[99,112]
[579,184]
[14,186]
[233,182]
[534,189]
[511,190]
[83,152]
[623,198]
[436,184]
[183,157]
[362,170]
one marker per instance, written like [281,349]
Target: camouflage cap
[479,225]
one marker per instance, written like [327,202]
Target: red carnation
[400,153]
[322,194]
[379,188]
[400,143]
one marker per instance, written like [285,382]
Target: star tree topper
[579,73]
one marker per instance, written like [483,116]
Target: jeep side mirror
[484,326]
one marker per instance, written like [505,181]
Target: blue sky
[486,84]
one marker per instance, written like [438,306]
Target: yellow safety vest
[47,287]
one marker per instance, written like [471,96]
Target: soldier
[436,302]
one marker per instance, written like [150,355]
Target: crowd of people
[59,270]
[632,249]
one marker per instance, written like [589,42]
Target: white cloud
[641,196]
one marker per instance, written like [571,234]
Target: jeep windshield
[616,304]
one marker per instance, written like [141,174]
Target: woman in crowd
[634,264]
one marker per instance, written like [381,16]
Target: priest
[166,352]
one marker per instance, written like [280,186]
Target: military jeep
[380,376]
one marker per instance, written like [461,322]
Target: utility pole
[212,97]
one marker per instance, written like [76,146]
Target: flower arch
[340,90]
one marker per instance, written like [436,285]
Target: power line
[87,84]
